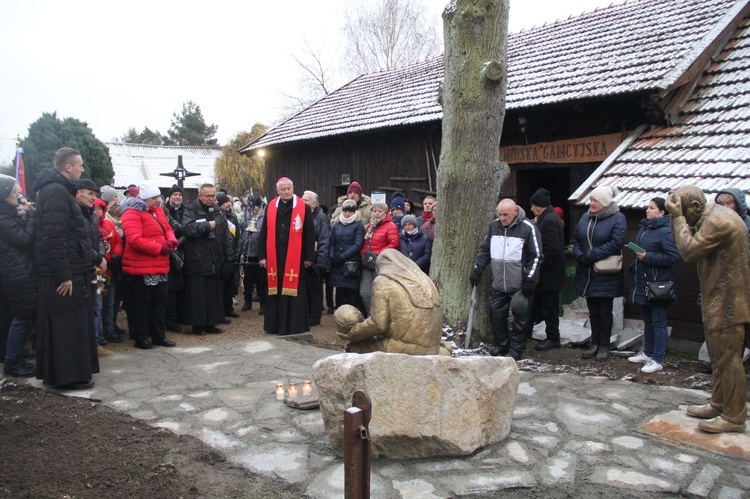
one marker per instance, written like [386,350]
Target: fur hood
[133,203]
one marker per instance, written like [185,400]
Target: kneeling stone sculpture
[422,405]
[404,312]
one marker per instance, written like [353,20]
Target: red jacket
[145,230]
[385,236]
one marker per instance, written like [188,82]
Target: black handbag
[368,258]
[352,268]
[660,292]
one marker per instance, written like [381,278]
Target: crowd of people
[77,255]
[526,258]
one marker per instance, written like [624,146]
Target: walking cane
[470,323]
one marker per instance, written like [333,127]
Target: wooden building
[580,92]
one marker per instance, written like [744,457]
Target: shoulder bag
[352,268]
[660,292]
[368,258]
[610,265]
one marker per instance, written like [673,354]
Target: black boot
[591,352]
[19,368]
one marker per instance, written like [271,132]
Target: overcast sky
[117,65]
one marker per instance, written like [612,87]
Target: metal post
[357,447]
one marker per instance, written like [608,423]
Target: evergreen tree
[147,136]
[190,129]
[47,134]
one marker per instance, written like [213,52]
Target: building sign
[581,150]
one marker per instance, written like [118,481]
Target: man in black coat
[552,273]
[174,209]
[208,254]
[65,337]
[316,273]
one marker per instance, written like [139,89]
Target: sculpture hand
[674,204]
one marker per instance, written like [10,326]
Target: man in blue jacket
[513,250]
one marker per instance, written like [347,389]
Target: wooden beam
[407,179]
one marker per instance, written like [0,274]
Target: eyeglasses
[207,196]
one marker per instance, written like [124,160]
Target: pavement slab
[680,429]
[571,435]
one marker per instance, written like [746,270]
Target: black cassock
[288,314]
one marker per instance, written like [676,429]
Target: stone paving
[571,435]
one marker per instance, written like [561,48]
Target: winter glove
[527,288]
[227,270]
[337,261]
[165,249]
[474,278]
[584,261]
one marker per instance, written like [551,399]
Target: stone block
[422,406]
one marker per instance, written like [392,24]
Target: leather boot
[591,352]
[19,368]
[706,411]
[720,425]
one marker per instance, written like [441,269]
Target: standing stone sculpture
[715,237]
[405,312]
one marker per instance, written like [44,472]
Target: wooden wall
[391,160]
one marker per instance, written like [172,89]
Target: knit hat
[107,193]
[100,202]
[6,185]
[398,203]
[173,189]
[604,194]
[409,219]
[349,205]
[354,186]
[132,190]
[86,183]
[221,199]
[148,189]
[541,198]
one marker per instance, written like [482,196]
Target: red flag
[20,176]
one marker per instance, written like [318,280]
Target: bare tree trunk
[470,173]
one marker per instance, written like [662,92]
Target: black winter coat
[207,251]
[552,229]
[96,235]
[655,236]
[418,248]
[17,273]
[607,232]
[174,216]
[64,247]
[346,242]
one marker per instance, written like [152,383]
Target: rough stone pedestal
[422,405]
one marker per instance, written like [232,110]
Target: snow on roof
[708,146]
[632,47]
[133,163]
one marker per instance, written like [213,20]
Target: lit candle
[307,388]
[292,390]
[279,391]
